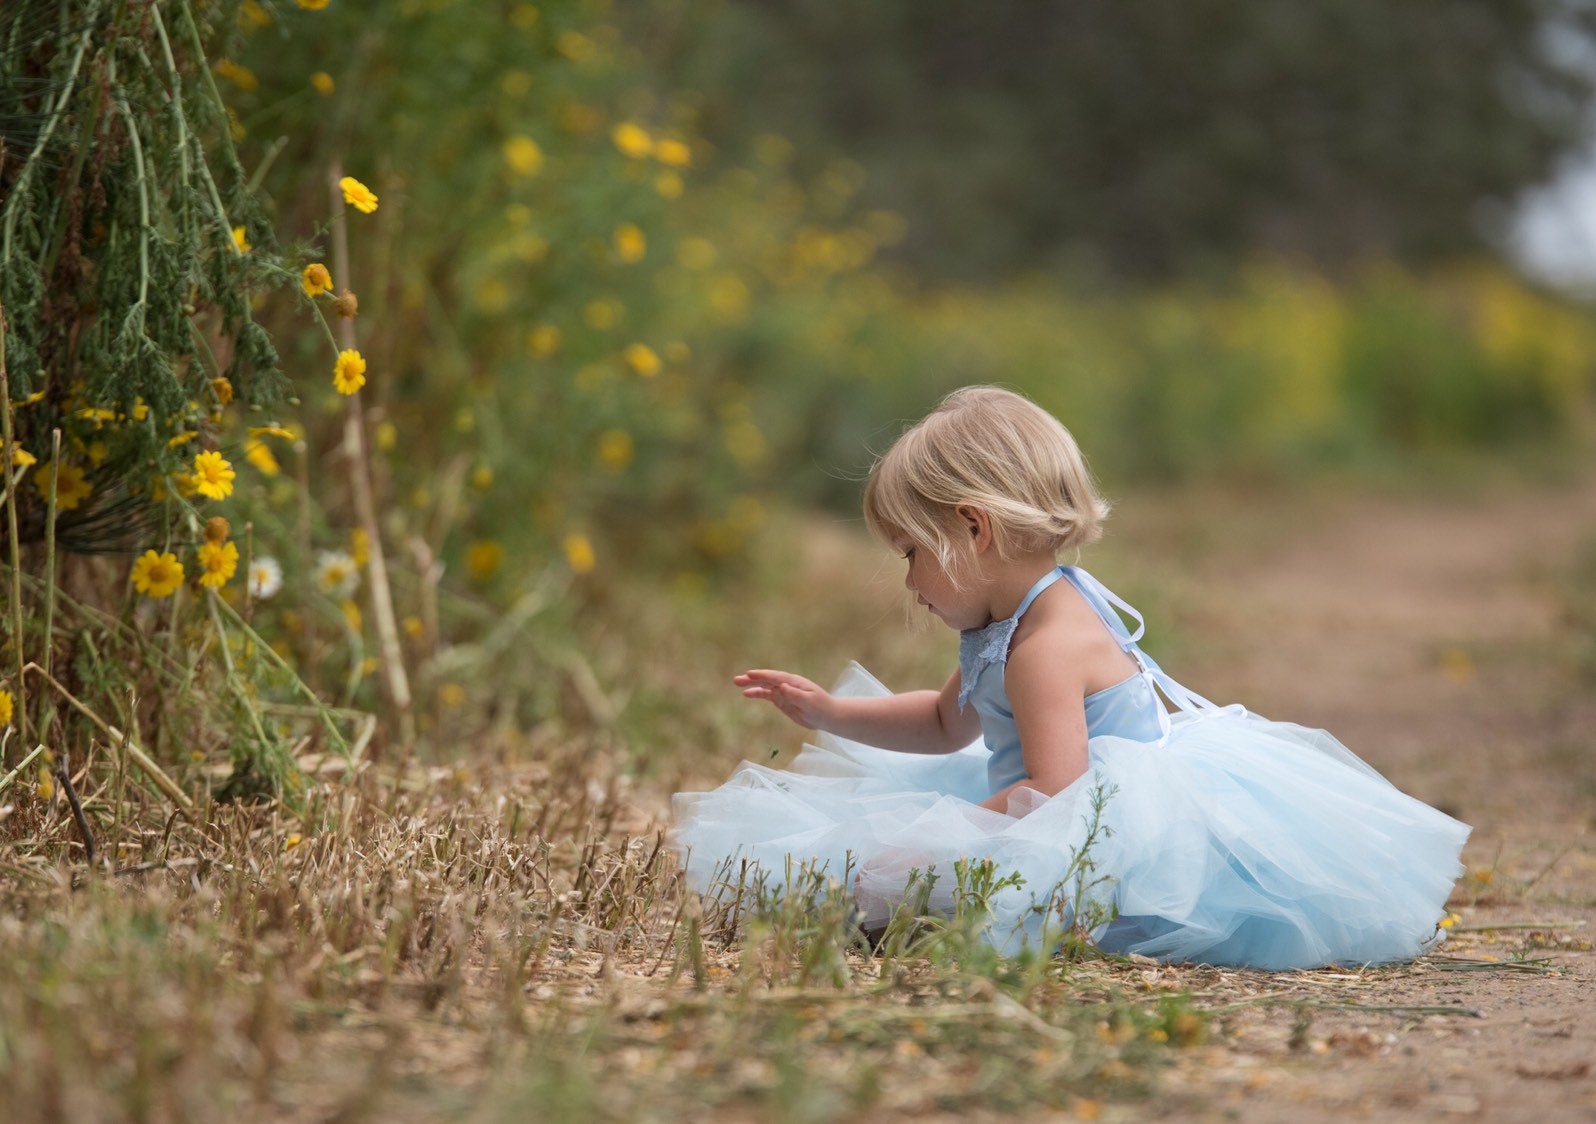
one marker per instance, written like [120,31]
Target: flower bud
[217,529]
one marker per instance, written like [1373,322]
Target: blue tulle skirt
[1233,840]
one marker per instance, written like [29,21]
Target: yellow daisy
[579,553]
[630,244]
[523,155]
[632,140]
[71,488]
[642,359]
[7,708]
[349,373]
[218,562]
[157,575]
[357,194]
[315,279]
[213,476]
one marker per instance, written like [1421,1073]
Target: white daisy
[337,573]
[265,578]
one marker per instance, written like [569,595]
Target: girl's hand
[805,702]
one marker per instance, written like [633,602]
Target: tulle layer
[1235,840]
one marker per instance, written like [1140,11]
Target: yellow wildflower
[359,546]
[218,562]
[312,5]
[295,840]
[673,152]
[669,185]
[616,449]
[642,359]
[576,46]
[357,194]
[352,616]
[241,76]
[259,454]
[7,708]
[315,279]
[544,340]
[97,452]
[223,389]
[241,240]
[349,374]
[322,83]
[21,458]
[630,244]
[251,14]
[413,627]
[579,553]
[157,575]
[273,431]
[523,155]
[141,409]
[482,477]
[483,559]
[601,315]
[632,140]
[182,438]
[213,476]
[71,488]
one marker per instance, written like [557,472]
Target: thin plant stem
[13,542]
[143,760]
[232,672]
[390,655]
[271,655]
[5,781]
[51,508]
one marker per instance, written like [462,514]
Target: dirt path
[1431,637]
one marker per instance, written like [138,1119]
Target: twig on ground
[64,775]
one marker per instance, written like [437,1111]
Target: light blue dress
[1220,837]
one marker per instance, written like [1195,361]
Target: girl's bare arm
[913,722]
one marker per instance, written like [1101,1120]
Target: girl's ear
[979,525]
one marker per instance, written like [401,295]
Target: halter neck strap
[1041,586]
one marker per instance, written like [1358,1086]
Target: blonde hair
[994,450]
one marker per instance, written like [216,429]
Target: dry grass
[471,942]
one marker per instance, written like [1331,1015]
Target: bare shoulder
[1061,632]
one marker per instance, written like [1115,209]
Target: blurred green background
[647,274]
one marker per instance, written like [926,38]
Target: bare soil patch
[1433,637]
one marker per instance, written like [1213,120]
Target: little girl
[1209,834]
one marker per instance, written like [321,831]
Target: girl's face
[929,582]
